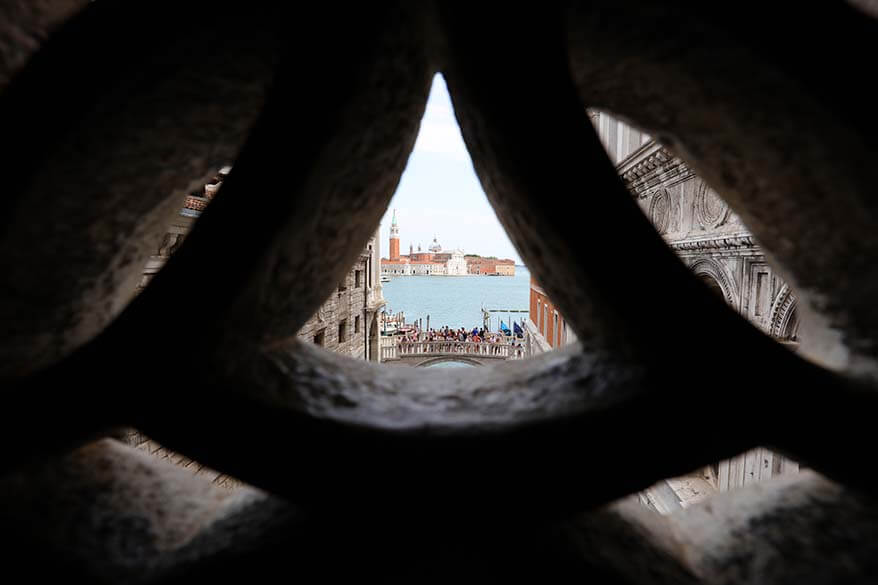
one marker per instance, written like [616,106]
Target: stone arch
[715,275]
[439,360]
[784,315]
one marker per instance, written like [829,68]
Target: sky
[439,193]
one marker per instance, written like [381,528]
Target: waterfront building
[395,268]
[427,269]
[504,268]
[476,264]
[347,322]
[420,256]
[456,264]
[438,262]
[546,328]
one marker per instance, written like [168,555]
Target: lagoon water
[457,301]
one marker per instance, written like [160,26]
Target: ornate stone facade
[347,322]
[701,229]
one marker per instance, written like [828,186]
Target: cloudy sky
[439,193]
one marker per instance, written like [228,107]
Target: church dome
[435,247]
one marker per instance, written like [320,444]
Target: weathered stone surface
[483,456]
[795,529]
[109,513]
[24,27]
[151,107]
[349,304]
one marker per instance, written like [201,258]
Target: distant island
[437,262]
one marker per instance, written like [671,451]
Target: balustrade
[440,347]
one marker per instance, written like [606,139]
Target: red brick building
[480,265]
[546,317]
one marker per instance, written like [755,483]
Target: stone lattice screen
[111,112]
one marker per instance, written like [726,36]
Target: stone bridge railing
[466,349]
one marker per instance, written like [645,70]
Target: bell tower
[394,238]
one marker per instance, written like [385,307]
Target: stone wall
[347,312]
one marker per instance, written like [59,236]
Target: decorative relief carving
[660,211]
[710,211]
[650,167]
[647,165]
[783,319]
[676,198]
[711,268]
[731,242]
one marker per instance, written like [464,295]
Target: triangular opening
[456,290]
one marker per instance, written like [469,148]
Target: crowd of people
[448,340]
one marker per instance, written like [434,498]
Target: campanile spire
[394,238]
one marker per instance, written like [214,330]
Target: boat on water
[385,278]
